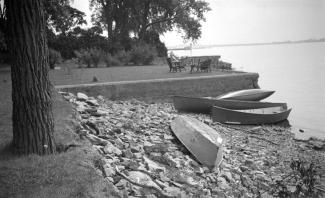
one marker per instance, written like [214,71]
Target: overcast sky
[247,21]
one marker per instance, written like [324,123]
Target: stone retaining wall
[162,89]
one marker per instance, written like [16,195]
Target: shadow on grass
[70,174]
[6,152]
[66,174]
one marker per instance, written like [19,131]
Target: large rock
[92,102]
[142,178]
[96,140]
[82,96]
[111,149]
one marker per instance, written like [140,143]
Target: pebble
[227,175]
[109,171]
[223,184]
[128,153]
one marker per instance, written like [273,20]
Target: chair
[193,65]
[206,65]
[172,67]
[183,63]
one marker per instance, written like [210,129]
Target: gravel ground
[142,157]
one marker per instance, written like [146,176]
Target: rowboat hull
[247,95]
[202,141]
[253,116]
[203,105]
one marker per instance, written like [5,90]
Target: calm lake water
[295,71]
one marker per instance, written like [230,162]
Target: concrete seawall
[162,89]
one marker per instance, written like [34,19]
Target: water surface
[295,71]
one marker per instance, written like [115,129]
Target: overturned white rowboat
[201,140]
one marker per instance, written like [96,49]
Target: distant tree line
[117,25]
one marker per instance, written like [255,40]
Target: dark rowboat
[202,141]
[203,105]
[247,95]
[250,116]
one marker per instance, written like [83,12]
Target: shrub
[123,57]
[304,178]
[95,79]
[152,38]
[143,53]
[84,57]
[111,60]
[96,56]
[54,58]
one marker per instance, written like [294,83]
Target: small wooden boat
[202,141]
[247,95]
[203,105]
[250,116]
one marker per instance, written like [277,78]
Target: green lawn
[69,74]
[67,174]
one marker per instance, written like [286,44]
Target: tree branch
[164,19]
[160,21]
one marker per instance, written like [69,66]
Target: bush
[84,57]
[152,38]
[304,178]
[96,56]
[54,58]
[111,60]
[143,53]
[123,57]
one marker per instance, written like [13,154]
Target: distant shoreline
[247,44]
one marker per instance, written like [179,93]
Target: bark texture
[31,89]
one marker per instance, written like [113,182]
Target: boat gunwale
[227,100]
[244,112]
[266,92]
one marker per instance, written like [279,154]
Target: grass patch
[70,174]
[67,174]
[70,74]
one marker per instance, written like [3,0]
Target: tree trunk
[108,9]
[144,20]
[31,89]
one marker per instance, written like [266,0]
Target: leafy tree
[61,17]
[152,38]
[123,17]
[32,117]
[163,16]
[78,39]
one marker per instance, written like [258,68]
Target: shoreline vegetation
[247,44]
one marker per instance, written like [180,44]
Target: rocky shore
[142,157]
